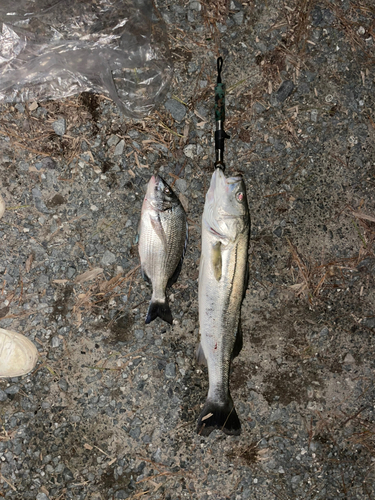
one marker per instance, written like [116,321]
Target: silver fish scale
[160,257]
[222,283]
[220,307]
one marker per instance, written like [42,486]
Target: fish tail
[221,416]
[159,309]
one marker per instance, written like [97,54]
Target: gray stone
[3,396]
[195,6]
[119,148]
[324,332]
[181,185]
[310,76]
[170,370]
[176,109]
[314,115]
[39,203]
[192,67]
[59,126]
[41,496]
[19,107]
[108,258]
[284,91]
[135,432]
[146,439]
[303,88]
[121,494]
[36,193]
[63,384]
[24,166]
[349,359]
[68,474]
[238,18]
[139,334]
[276,415]
[258,107]
[316,16]
[13,389]
[71,272]
[369,322]
[113,140]
[55,342]
[190,150]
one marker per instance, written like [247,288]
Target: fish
[163,238]
[222,283]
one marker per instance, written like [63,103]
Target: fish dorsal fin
[216,260]
[159,230]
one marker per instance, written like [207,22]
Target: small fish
[223,277]
[163,236]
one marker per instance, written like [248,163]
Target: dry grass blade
[250,454]
[89,275]
[363,216]
[29,262]
[312,278]
[99,291]
[2,478]
[303,269]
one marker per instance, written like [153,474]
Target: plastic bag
[53,49]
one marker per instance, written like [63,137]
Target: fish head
[159,195]
[226,212]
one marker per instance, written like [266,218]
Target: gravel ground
[110,411]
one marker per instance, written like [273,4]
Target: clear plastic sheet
[53,49]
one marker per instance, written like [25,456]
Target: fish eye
[167,190]
[240,196]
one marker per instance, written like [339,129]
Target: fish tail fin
[159,309]
[219,416]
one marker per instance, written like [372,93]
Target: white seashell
[18,355]
[2,206]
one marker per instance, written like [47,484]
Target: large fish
[163,234]
[223,277]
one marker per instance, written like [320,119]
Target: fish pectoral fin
[159,230]
[216,260]
[172,280]
[238,343]
[199,354]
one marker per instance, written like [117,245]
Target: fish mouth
[152,187]
[220,182]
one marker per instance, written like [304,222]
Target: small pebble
[170,370]
[195,6]
[59,126]
[108,258]
[190,150]
[119,148]
[41,496]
